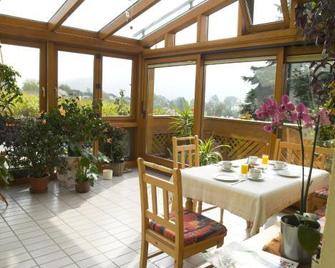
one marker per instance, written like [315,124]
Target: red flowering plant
[287,112]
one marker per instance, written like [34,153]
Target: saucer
[225,178]
[254,179]
[289,174]
[227,170]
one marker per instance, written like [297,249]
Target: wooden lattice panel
[241,147]
[292,154]
[161,142]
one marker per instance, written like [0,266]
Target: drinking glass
[244,169]
[265,159]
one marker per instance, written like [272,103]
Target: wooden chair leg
[3,199]
[178,262]
[189,204]
[199,207]
[221,215]
[144,254]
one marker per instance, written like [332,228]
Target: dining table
[254,201]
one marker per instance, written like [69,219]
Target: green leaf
[309,238]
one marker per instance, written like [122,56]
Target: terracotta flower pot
[39,185]
[82,186]
[118,168]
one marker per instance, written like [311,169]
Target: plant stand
[2,198]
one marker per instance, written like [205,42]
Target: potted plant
[38,148]
[79,126]
[113,145]
[300,232]
[87,172]
[9,90]
[209,153]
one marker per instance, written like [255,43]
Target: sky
[94,14]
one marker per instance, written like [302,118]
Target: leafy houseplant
[87,172]
[38,148]
[9,91]
[209,153]
[182,124]
[307,227]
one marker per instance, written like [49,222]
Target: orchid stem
[302,199]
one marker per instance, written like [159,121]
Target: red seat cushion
[196,228]
[322,193]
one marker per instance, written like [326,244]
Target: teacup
[255,173]
[279,164]
[252,160]
[227,165]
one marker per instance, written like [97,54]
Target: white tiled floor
[99,229]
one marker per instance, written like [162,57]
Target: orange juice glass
[244,169]
[265,159]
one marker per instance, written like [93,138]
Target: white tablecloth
[253,201]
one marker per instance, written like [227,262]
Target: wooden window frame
[42,67]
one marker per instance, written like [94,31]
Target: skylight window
[267,11]
[223,23]
[95,14]
[40,10]
[157,16]
[187,35]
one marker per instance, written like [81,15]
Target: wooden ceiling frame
[185,20]
[28,30]
[134,11]
[63,13]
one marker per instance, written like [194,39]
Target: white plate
[225,178]
[288,173]
[252,179]
[274,168]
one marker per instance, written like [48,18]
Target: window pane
[235,90]
[116,86]
[187,35]
[171,94]
[41,10]
[298,84]
[95,14]
[75,76]
[26,61]
[267,11]
[155,17]
[223,23]
[160,44]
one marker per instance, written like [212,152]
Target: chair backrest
[149,205]
[185,151]
[291,153]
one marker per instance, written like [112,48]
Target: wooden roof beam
[187,19]
[135,10]
[63,13]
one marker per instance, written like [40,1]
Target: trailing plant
[10,92]
[87,168]
[209,152]
[182,124]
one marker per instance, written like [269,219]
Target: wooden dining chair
[173,230]
[291,153]
[186,154]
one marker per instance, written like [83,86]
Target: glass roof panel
[95,14]
[158,15]
[267,11]
[40,10]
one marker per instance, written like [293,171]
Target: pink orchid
[324,117]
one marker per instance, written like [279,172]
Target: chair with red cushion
[179,233]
